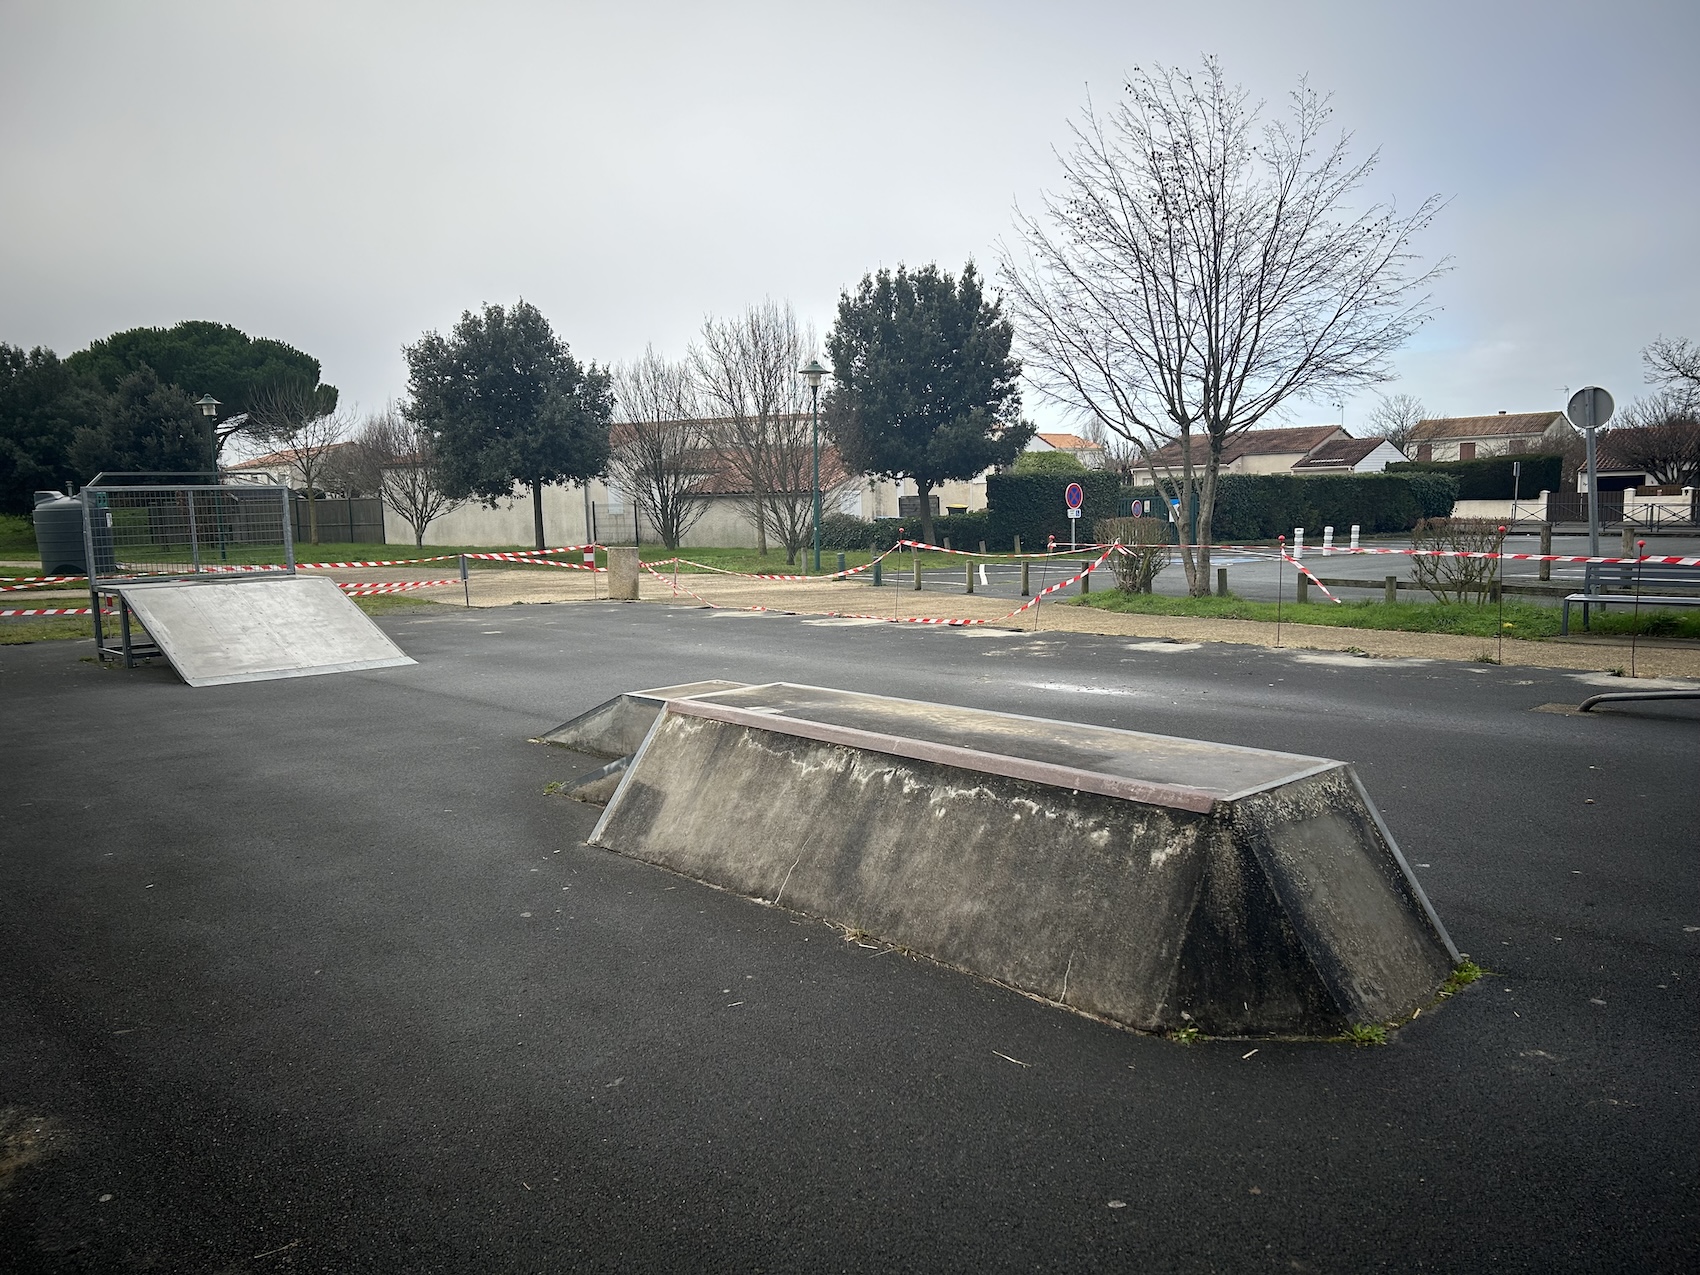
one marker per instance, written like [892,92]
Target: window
[1425,451]
[1466,451]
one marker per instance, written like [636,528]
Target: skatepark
[332,972]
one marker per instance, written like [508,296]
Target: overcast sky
[345,176]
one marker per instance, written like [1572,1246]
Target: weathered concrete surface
[216,632]
[616,727]
[623,573]
[1260,897]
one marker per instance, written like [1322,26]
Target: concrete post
[1301,587]
[1085,580]
[968,575]
[1024,568]
[1221,582]
[1327,540]
[1546,548]
[982,547]
[915,559]
[623,573]
[1390,591]
[877,565]
[840,564]
[1355,529]
[1628,541]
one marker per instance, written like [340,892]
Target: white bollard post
[1298,543]
[1327,541]
[1354,537]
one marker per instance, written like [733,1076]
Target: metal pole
[1593,483]
[465,584]
[814,394]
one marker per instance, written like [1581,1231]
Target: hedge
[1263,506]
[844,531]
[1031,506]
[1490,478]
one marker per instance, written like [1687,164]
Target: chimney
[1502,411]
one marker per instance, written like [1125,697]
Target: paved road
[311,975]
[1259,575]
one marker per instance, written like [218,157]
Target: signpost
[1591,407]
[1074,497]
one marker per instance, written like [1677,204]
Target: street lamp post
[209,408]
[811,372]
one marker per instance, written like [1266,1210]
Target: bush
[1456,579]
[1490,478]
[1047,463]
[1263,506]
[847,532]
[1031,506]
[1145,543]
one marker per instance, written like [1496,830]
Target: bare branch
[1197,273]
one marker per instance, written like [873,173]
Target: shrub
[1490,477]
[1145,543]
[1454,579]
[1031,506]
[1048,463]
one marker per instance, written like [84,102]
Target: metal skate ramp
[216,632]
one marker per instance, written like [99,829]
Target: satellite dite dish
[1589,407]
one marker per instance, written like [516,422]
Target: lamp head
[811,372]
[208,404]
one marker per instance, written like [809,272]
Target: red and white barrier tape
[58,611]
[40,582]
[357,588]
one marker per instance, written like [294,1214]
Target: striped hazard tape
[359,588]
[58,611]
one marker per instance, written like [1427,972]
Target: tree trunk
[312,516]
[926,496]
[761,525]
[537,511]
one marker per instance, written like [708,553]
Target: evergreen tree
[506,402]
[924,386]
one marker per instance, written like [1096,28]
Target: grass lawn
[1525,620]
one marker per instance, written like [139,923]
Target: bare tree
[1659,435]
[1196,275]
[395,458]
[746,370]
[293,417]
[1395,419]
[1673,362]
[660,444]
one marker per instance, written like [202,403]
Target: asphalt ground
[313,975]
[1259,575]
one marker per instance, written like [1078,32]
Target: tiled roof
[272,460]
[1500,425]
[1338,451]
[1299,439]
[1070,442]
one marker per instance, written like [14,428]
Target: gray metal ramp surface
[254,630]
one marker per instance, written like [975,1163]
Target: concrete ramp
[1154,881]
[616,727]
[216,632]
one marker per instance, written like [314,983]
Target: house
[1258,451]
[1503,434]
[1084,450]
[1349,456]
[285,467]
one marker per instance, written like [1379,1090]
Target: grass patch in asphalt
[1526,620]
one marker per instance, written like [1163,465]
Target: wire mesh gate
[157,529]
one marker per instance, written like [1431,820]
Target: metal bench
[1628,583]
